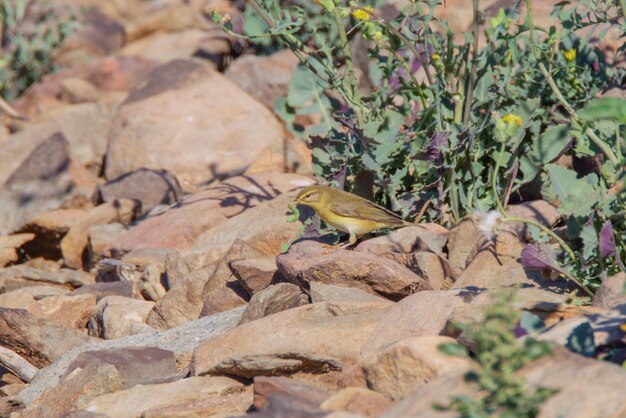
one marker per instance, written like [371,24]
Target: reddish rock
[275,298]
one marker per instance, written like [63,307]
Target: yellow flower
[511,117]
[623,327]
[570,54]
[436,57]
[364,13]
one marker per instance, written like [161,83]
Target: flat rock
[133,402]
[99,238]
[101,290]
[199,213]
[162,123]
[404,366]
[254,274]
[16,277]
[407,240]
[181,341]
[38,340]
[70,311]
[321,292]
[311,338]
[423,314]
[9,247]
[306,261]
[276,298]
[150,187]
[228,404]
[118,316]
[301,391]
[357,400]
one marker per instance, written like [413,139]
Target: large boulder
[164,123]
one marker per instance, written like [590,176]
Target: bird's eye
[307,196]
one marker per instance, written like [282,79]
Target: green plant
[30,32]
[419,116]
[498,355]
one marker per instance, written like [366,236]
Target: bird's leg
[332,248]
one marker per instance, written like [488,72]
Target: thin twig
[17,364]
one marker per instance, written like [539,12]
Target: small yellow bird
[348,212]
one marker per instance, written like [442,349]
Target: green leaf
[590,240]
[613,108]
[547,146]
[578,196]
[453,349]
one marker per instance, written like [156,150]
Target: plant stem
[472,80]
[494,180]
[352,82]
[568,108]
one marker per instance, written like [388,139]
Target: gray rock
[181,341]
[612,292]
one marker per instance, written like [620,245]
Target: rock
[19,276]
[180,226]
[39,341]
[276,298]
[49,228]
[18,299]
[407,240]
[118,316]
[223,291]
[36,176]
[181,341]
[231,403]
[432,267]
[9,247]
[112,76]
[306,261]
[357,400]
[537,210]
[264,78]
[10,405]
[422,314]
[150,187]
[75,90]
[74,243]
[133,402]
[135,365]
[70,311]
[167,118]
[12,389]
[321,292]
[611,292]
[40,292]
[312,338]
[99,238]
[187,43]
[405,366]
[302,392]
[463,244]
[254,274]
[102,290]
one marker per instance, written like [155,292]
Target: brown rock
[226,405]
[611,292]
[150,187]
[304,393]
[19,276]
[133,402]
[432,267]
[102,290]
[38,340]
[306,261]
[405,366]
[254,274]
[74,243]
[99,238]
[118,316]
[463,243]
[537,210]
[75,90]
[264,78]
[70,311]
[19,299]
[223,291]
[311,338]
[180,92]
[40,292]
[358,400]
[37,174]
[407,240]
[321,292]
[9,247]
[180,226]
[425,313]
[49,228]
[10,405]
[276,298]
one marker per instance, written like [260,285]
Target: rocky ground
[144,205]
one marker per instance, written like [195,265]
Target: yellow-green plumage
[348,212]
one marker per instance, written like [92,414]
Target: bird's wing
[364,209]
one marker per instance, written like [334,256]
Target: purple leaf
[606,241]
[434,150]
[537,258]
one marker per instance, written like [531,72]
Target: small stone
[117,316]
[275,298]
[254,274]
[70,311]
